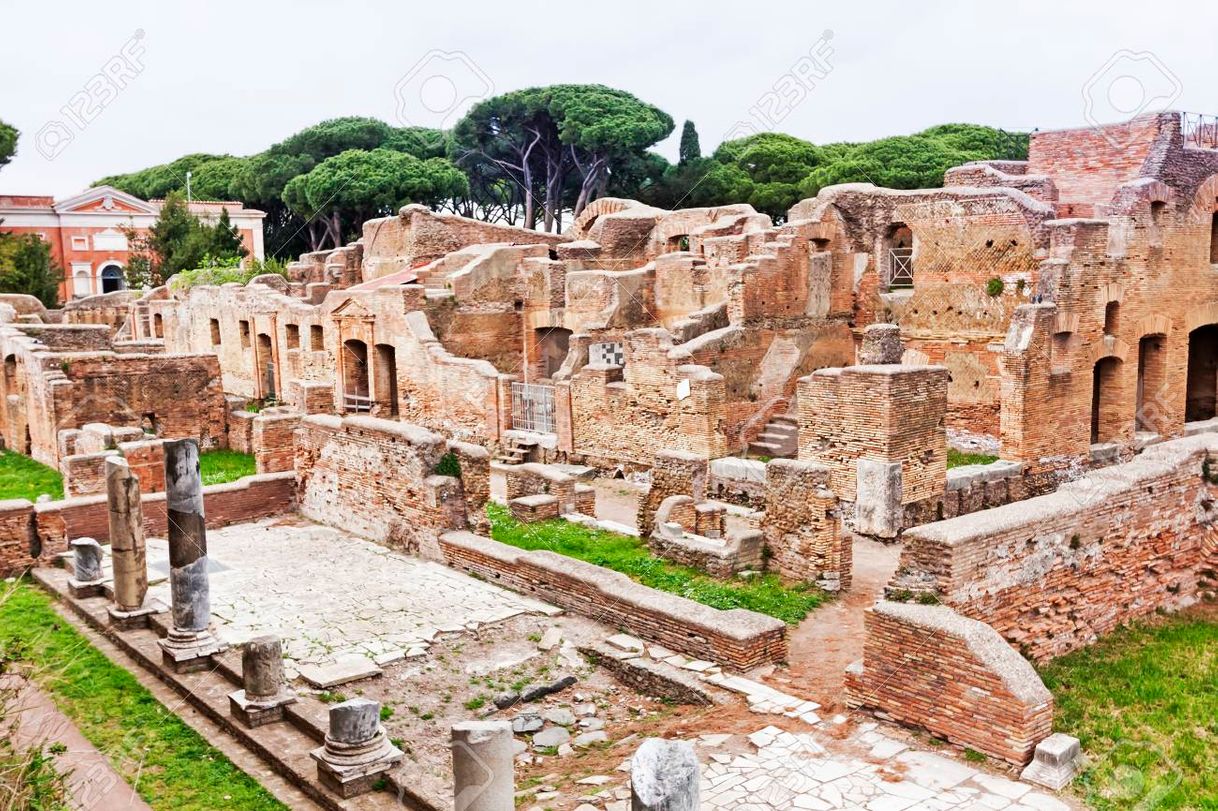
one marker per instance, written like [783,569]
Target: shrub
[994,286]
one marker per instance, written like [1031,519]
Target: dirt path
[832,636]
[91,782]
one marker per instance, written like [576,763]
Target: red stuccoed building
[87,232]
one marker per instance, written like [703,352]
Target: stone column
[190,643]
[126,546]
[356,753]
[265,694]
[664,776]
[483,766]
[86,580]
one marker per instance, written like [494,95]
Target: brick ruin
[1060,311]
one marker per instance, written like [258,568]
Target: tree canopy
[26,266]
[179,241]
[8,143]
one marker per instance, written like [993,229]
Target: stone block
[1054,763]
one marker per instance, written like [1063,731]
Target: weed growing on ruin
[22,477]
[629,555]
[994,287]
[1143,703]
[957,458]
[169,764]
[222,465]
[449,465]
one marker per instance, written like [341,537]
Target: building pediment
[105,200]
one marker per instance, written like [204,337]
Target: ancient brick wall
[340,467]
[632,417]
[927,666]
[1053,573]
[736,638]
[1088,164]
[273,441]
[673,473]
[883,413]
[802,527]
[48,527]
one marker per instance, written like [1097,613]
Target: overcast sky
[234,77]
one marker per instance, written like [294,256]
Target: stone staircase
[779,439]
[515,451]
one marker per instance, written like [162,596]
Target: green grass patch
[22,477]
[221,465]
[957,458]
[1144,703]
[169,764]
[763,593]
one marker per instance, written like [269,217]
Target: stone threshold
[284,747]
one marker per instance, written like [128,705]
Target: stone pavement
[333,597]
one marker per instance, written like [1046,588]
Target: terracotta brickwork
[802,527]
[32,534]
[273,441]
[926,666]
[1053,573]
[737,638]
[673,473]
[340,467]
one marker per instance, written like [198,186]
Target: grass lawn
[630,556]
[221,465]
[22,477]
[1144,703]
[169,764]
[957,458]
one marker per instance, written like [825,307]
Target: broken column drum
[483,770]
[87,568]
[356,754]
[265,693]
[127,549]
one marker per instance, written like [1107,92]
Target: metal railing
[356,404]
[1200,130]
[900,268]
[533,407]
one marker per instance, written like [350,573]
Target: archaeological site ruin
[391,609]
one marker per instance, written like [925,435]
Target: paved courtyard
[331,596]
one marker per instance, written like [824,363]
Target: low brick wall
[802,526]
[927,666]
[1053,573]
[737,638]
[34,533]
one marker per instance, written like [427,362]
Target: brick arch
[1113,291]
[1066,322]
[1200,316]
[1205,201]
[1158,324]
[604,205]
[1110,347]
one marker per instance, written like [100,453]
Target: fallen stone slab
[539,691]
[552,737]
[589,738]
[650,677]
[527,722]
[550,639]
[333,674]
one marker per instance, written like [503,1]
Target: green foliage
[179,241]
[22,477]
[160,181]
[8,143]
[690,149]
[170,765]
[622,553]
[994,287]
[957,458]
[223,465]
[449,465]
[26,266]
[1142,701]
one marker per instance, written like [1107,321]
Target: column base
[187,651]
[84,589]
[352,769]
[256,712]
[134,619]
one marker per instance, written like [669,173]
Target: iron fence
[900,267]
[533,407]
[1200,130]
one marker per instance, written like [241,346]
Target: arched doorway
[1105,402]
[264,357]
[1150,415]
[898,256]
[1201,398]
[355,376]
[112,278]
[386,380]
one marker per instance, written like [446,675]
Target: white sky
[237,76]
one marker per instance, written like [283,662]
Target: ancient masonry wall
[737,638]
[673,473]
[341,469]
[927,666]
[1053,573]
[32,534]
[801,525]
